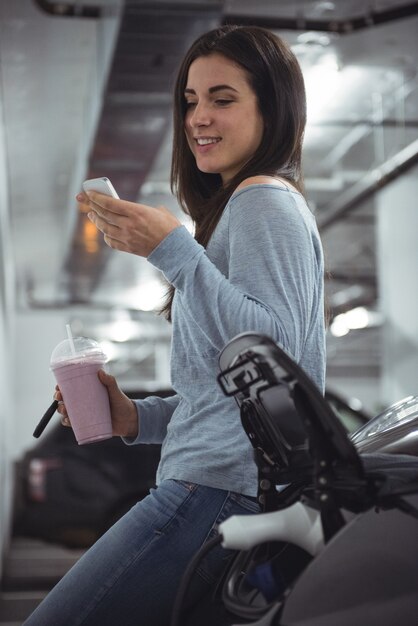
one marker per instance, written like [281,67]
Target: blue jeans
[131,574]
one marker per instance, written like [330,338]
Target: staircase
[31,569]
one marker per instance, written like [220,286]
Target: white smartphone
[102,185]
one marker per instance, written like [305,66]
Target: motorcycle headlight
[398,414]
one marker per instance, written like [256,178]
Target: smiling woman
[223,124]
[254,264]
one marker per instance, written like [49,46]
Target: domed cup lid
[80,348]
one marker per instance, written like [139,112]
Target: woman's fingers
[111,209]
[106,205]
[65,420]
[110,230]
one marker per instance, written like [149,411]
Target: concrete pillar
[38,332]
[397,248]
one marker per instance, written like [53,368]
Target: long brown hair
[275,76]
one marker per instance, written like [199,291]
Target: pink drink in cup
[75,365]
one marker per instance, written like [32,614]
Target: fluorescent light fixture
[338,327]
[147,296]
[123,331]
[322,82]
[122,328]
[110,349]
[355,319]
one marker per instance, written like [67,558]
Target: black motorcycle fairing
[296,435]
[297,438]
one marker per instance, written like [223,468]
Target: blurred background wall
[7,349]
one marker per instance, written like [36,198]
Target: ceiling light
[123,330]
[339,327]
[90,237]
[345,296]
[355,319]
[147,296]
[322,82]
[110,350]
[313,38]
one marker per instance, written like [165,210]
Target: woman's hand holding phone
[126,226]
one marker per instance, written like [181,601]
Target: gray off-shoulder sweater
[262,271]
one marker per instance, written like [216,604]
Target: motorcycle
[337,541]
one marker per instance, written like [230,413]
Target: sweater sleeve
[154,414]
[271,277]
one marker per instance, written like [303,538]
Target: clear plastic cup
[75,365]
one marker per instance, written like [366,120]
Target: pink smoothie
[85,397]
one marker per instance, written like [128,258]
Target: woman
[255,264]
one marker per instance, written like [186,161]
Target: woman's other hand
[122,409]
[128,226]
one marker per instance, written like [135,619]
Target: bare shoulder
[265,180]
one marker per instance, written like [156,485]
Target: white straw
[70,339]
